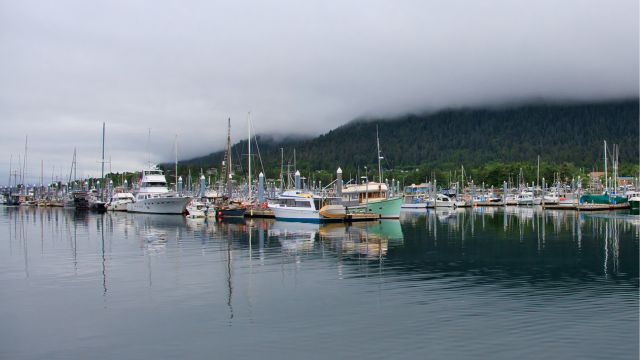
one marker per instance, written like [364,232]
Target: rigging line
[255,137]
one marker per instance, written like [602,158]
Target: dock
[354,217]
[587,207]
[560,206]
[260,213]
[602,207]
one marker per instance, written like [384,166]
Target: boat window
[154,184]
[302,204]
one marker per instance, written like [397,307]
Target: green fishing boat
[386,208]
[372,197]
[602,199]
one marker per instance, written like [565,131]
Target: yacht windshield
[154,184]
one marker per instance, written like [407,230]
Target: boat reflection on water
[294,236]
[368,239]
[548,243]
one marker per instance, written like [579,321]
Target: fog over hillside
[301,68]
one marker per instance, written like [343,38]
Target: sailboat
[229,208]
[609,196]
[96,202]
[372,197]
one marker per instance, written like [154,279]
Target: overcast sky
[301,67]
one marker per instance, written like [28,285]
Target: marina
[319,180]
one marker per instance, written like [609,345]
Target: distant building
[212,171]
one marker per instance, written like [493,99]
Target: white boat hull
[160,205]
[444,204]
[118,206]
[295,214]
[414,206]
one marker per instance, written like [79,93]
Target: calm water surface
[476,283]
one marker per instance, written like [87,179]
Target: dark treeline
[492,144]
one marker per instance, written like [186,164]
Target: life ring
[263,205]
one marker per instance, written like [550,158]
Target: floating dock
[259,213]
[588,207]
[560,206]
[603,207]
[355,217]
[361,217]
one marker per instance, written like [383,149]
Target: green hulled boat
[386,208]
[372,197]
[602,199]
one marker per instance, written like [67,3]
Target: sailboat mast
[10,170]
[102,170]
[379,157]
[249,149]
[606,178]
[176,158]
[75,165]
[281,169]
[229,157]
[538,175]
[24,163]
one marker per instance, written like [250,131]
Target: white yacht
[154,197]
[119,201]
[298,205]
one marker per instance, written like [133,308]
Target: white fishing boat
[119,201]
[634,200]
[511,199]
[551,198]
[154,196]
[197,209]
[414,202]
[443,201]
[296,205]
[525,198]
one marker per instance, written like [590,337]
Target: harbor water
[493,283]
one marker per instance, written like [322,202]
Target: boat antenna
[148,148]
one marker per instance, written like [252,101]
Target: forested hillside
[490,142]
